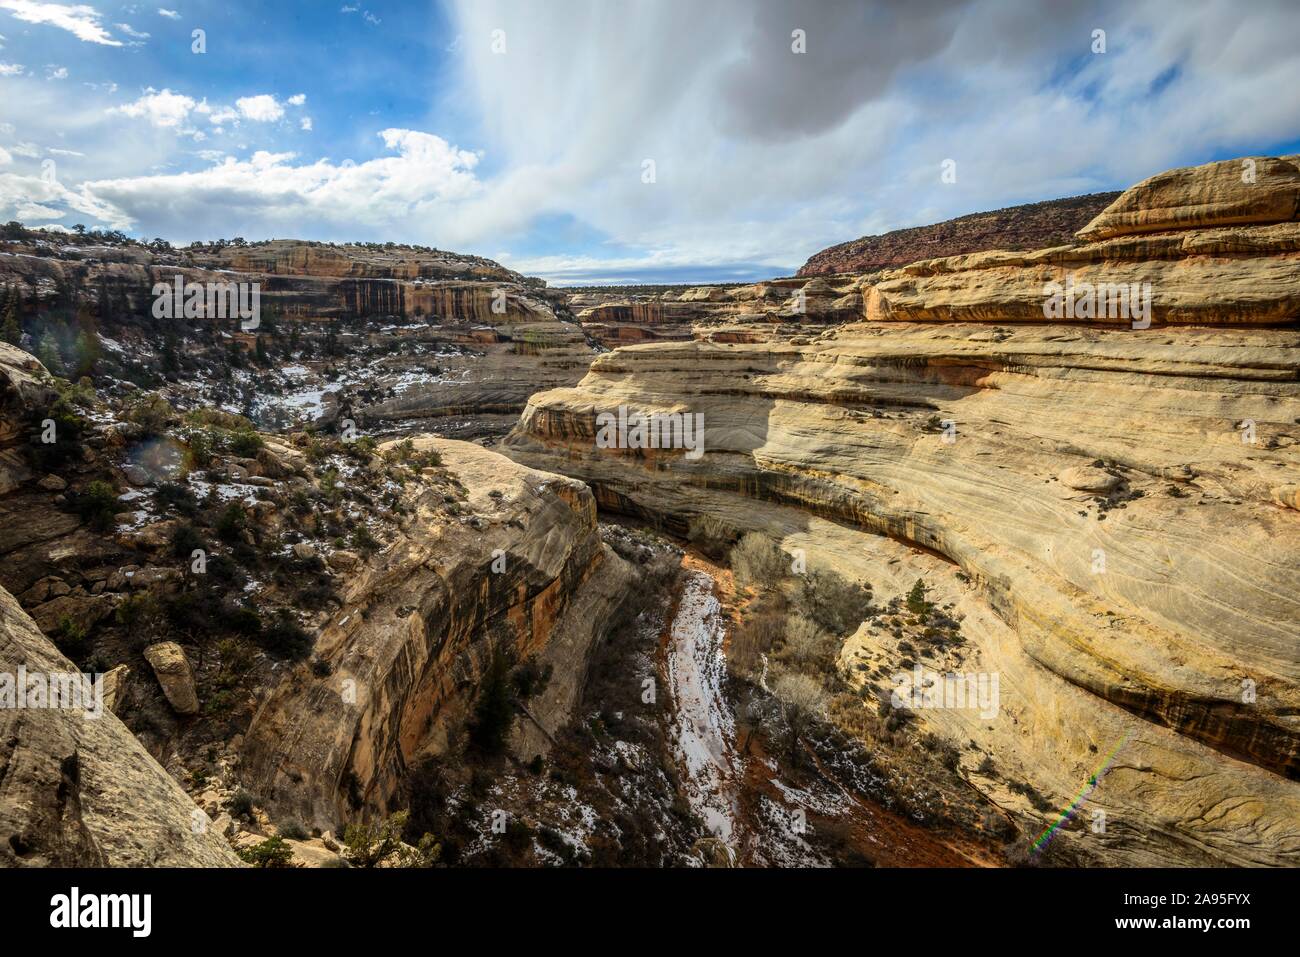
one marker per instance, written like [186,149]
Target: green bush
[246,445]
[285,638]
[230,523]
[273,852]
[98,505]
[185,540]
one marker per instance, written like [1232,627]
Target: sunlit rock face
[1156,607]
[521,571]
[80,790]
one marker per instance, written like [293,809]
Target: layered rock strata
[420,627]
[78,790]
[1158,606]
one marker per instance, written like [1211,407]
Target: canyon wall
[81,791]
[420,626]
[1111,509]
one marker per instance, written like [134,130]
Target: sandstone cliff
[1107,507]
[80,791]
[1032,226]
[418,629]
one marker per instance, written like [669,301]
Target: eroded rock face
[1157,605]
[520,572]
[172,668]
[1032,226]
[1261,189]
[78,791]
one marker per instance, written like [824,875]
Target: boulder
[115,686]
[82,612]
[81,792]
[1087,478]
[175,675]
[1226,193]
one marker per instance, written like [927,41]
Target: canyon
[431,591]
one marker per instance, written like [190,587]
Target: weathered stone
[1085,478]
[433,616]
[1261,189]
[115,680]
[81,613]
[83,792]
[175,675]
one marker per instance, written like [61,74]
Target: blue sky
[525,131]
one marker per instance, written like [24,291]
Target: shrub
[916,602]
[757,561]
[70,634]
[177,498]
[808,646]
[199,450]
[834,602]
[98,505]
[272,852]
[245,444]
[151,412]
[185,540]
[292,830]
[285,638]
[230,523]
[241,804]
[369,845]
[802,700]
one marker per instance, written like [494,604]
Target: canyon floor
[983,560]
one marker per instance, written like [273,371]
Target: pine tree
[10,331]
[48,353]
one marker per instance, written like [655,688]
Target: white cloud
[5,158]
[263,108]
[224,114]
[163,109]
[764,154]
[131,32]
[81,21]
[169,14]
[425,178]
[53,72]
[58,152]
[305,124]
[298,99]
[11,69]
[30,211]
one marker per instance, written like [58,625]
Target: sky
[618,141]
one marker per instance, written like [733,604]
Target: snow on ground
[704,727]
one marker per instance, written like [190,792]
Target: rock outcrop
[521,573]
[1106,506]
[173,671]
[1032,226]
[78,790]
